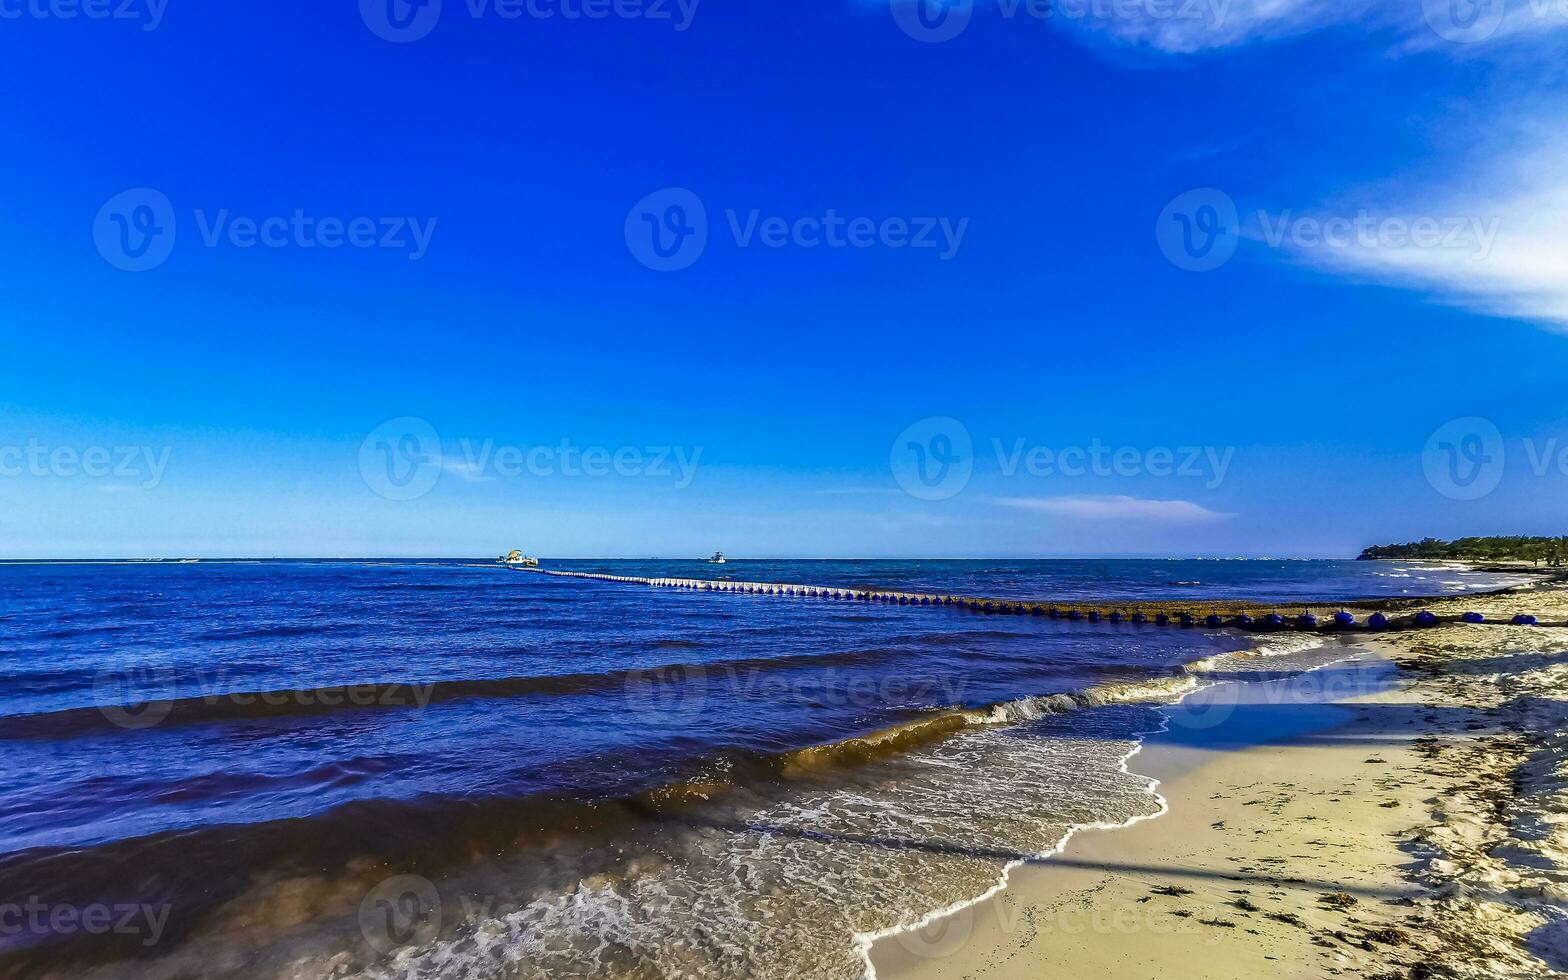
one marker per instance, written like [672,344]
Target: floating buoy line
[1251,616]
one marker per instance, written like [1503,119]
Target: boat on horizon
[717,559]
[517,559]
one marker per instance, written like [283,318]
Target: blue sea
[449,768]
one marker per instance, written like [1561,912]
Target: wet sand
[1397,815]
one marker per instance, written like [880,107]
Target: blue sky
[1009,205]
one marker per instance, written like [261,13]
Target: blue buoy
[1162,620]
[1426,618]
[1307,620]
[1377,621]
[1139,618]
[1074,615]
[1212,620]
[1523,620]
[1187,620]
[1094,617]
[1274,620]
[1473,617]
[1344,618]
[1036,611]
[1116,617]
[1054,613]
[1242,619]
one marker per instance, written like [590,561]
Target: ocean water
[448,768]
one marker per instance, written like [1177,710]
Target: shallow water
[408,767]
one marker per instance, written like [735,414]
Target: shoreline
[1147,898]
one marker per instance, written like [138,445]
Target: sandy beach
[1397,814]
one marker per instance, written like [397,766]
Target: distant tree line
[1537,551]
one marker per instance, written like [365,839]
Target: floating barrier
[1216,614]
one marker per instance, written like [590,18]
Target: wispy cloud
[1104,507]
[1501,224]
[1496,242]
[1185,28]
[1189,27]
[467,469]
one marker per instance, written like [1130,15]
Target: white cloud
[1503,247]
[1187,27]
[467,469]
[1191,26]
[1116,507]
